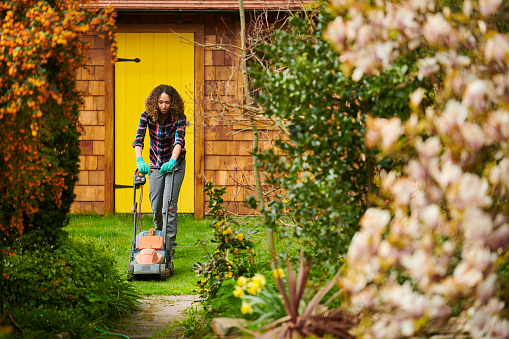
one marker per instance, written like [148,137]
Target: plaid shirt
[163,138]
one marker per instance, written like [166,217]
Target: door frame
[199,137]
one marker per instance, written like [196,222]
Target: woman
[166,122]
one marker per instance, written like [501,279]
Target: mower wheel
[162,272]
[130,270]
[171,268]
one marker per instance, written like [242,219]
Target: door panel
[165,59]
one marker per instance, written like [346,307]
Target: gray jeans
[159,194]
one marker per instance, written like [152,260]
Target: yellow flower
[226,240]
[239,292]
[221,223]
[216,252]
[227,231]
[228,275]
[259,280]
[246,308]
[242,281]
[240,236]
[236,251]
[202,282]
[278,273]
[253,288]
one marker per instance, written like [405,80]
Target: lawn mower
[151,251]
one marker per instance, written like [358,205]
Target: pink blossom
[405,22]
[412,304]
[385,52]
[382,132]
[375,220]
[365,298]
[467,275]
[496,126]
[454,114]
[488,7]
[486,288]
[476,224]
[473,135]
[431,215]
[436,29]
[336,33]
[478,257]
[427,67]
[360,247]
[415,170]
[388,253]
[438,307]
[429,148]
[403,190]
[416,98]
[420,265]
[467,8]
[469,190]
[449,174]
[475,95]
[498,239]
[499,328]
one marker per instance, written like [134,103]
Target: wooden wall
[226,159]
[91,80]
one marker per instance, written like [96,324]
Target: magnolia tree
[430,247]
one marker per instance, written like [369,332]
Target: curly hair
[176,103]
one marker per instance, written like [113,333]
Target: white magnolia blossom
[438,223]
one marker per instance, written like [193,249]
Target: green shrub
[233,254]
[323,167]
[39,111]
[68,288]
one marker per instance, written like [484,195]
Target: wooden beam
[199,131]
[109,140]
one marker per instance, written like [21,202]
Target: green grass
[116,232]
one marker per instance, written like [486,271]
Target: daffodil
[240,236]
[278,273]
[239,292]
[246,308]
[242,281]
[259,280]
[253,288]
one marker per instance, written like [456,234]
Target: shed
[165,41]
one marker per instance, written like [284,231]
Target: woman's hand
[142,166]
[168,166]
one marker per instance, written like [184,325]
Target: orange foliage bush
[41,49]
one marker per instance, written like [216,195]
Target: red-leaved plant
[313,320]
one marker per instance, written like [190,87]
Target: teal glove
[142,166]
[168,166]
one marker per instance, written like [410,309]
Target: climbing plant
[41,49]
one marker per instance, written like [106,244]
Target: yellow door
[164,59]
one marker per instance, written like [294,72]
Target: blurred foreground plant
[290,315]
[429,251]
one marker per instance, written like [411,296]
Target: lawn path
[158,312]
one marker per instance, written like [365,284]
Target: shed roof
[201,5]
